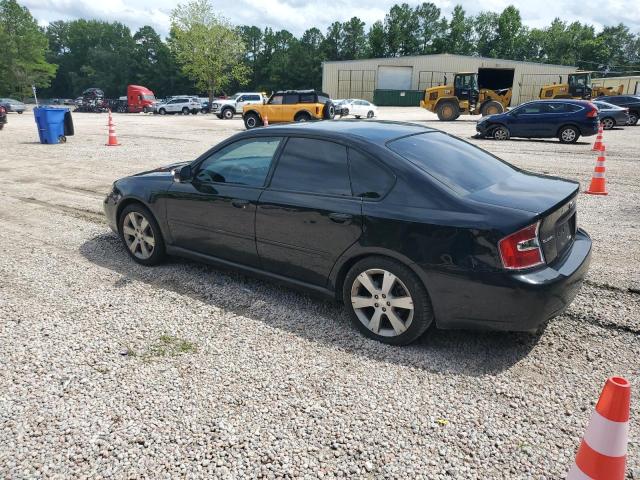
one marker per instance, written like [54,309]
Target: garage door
[394,78]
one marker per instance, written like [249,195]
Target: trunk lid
[549,199]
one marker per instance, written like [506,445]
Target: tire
[62,139]
[491,107]
[568,134]
[448,111]
[608,123]
[302,117]
[227,113]
[139,235]
[251,120]
[345,112]
[633,118]
[501,133]
[370,114]
[20,112]
[409,324]
[162,111]
[194,112]
[185,111]
[329,111]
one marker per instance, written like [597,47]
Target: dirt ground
[117,371]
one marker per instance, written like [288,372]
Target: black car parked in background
[405,224]
[632,102]
[611,115]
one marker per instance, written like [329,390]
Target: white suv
[184,105]
[233,105]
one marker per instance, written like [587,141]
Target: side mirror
[182,174]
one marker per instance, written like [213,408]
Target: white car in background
[358,108]
[183,105]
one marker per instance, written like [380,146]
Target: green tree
[430,26]
[22,62]
[509,33]
[377,41]
[485,26]
[459,37]
[207,47]
[401,25]
[353,39]
[332,45]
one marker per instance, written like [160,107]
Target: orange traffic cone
[598,182]
[598,146]
[266,121]
[113,140]
[110,122]
[603,452]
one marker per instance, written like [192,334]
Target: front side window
[459,165]
[533,108]
[314,166]
[245,162]
[275,100]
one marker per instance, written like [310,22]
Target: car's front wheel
[141,235]
[387,301]
[608,123]
[251,120]
[162,111]
[501,133]
[370,114]
[227,114]
[569,135]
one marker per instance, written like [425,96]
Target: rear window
[459,165]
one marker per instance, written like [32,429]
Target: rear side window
[307,98]
[291,99]
[368,178]
[563,107]
[314,166]
[459,165]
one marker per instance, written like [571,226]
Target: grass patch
[169,346]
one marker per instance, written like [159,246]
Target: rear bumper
[513,301]
[590,129]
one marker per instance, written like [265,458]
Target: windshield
[234,96]
[459,165]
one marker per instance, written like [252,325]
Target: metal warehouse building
[630,85]
[401,80]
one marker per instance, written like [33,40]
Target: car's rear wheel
[448,111]
[227,114]
[633,118]
[302,117]
[141,235]
[20,112]
[501,133]
[387,301]
[185,111]
[491,107]
[251,120]
[568,134]
[608,123]
[329,111]
[370,114]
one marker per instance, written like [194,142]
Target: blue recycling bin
[50,122]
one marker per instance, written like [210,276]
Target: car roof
[376,131]
[560,100]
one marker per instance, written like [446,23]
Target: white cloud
[298,15]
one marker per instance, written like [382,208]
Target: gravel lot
[113,370]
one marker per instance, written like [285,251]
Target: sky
[298,15]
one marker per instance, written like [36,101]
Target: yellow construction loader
[464,97]
[578,87]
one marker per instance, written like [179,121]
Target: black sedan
[406,225]
[632,102]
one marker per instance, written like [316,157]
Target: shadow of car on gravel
[458,352]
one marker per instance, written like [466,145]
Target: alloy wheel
[138,235]
[370,114]
[500,133]
[228,114]
[382,302]
[607,123]
[568,135]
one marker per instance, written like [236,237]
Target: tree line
[204,53]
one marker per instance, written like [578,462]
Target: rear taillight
[521,249]
[593,113]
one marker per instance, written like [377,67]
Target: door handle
[240,203]
[341,217]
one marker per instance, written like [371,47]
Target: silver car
[13,105]
[611,115]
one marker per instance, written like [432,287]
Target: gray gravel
[112,370]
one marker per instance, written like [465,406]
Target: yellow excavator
[464,97]
[578,86]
